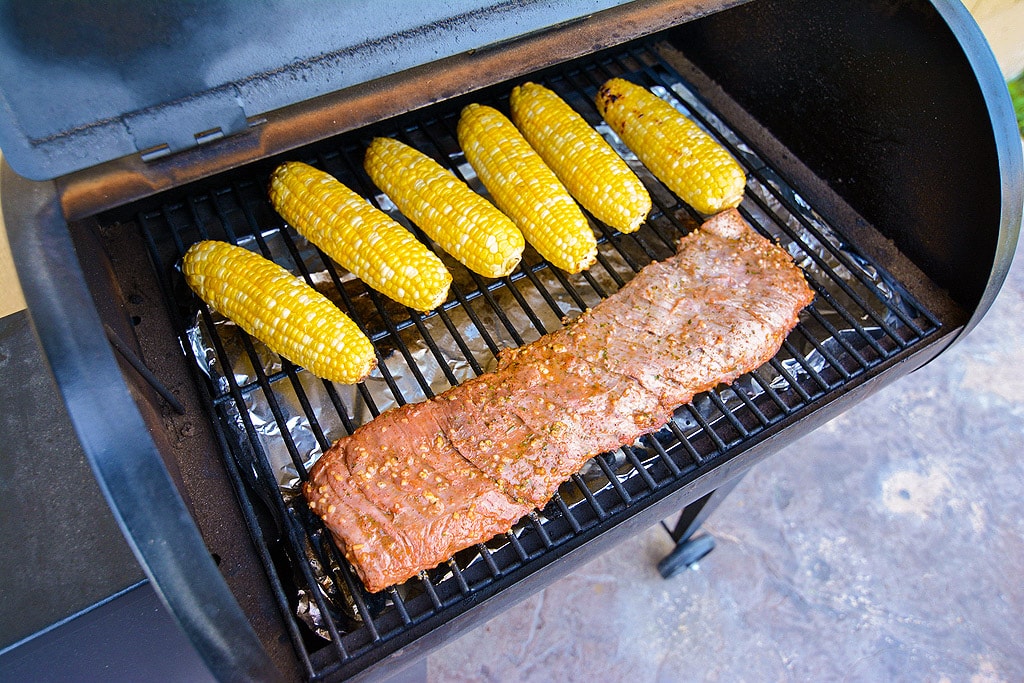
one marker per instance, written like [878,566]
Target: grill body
[860,164]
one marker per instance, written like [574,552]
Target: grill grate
[860,321]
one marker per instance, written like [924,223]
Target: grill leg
[690,548]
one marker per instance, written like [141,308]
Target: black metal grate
[861,320]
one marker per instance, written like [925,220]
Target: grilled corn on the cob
[586,164]
[463,223]
[526,189]
[279,309]
[360,237]
[688,160]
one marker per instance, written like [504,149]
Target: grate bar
[514,541]
[399,603]
[463,586]
[567,513]
[696,457]
[339,406]
[706,428]
[485,553]
[728,414]
[530,313]
[585,490]
[663,454]
[805,365]
[784,408]
[541,531]
[639,468]
[466,352]
[428,585]
[839,338]
[750,405]
[435,351]
[546,295]
[791,381]
[613,479]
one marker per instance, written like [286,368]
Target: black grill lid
[84,83]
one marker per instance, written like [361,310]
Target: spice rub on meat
[423,481]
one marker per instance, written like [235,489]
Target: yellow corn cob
[463,223]
[689,161]
[587,165]
[279,309]
[360,237]
[526,189]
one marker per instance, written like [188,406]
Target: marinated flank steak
[421,482]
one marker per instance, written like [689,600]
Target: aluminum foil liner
[303,415]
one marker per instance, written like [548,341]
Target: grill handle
[149,509]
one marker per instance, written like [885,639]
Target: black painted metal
[686,555]
[144,371]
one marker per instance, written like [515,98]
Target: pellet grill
[881,151]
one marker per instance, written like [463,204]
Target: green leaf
[1016,87]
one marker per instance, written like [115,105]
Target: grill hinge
[184,124]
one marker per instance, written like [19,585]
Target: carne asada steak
[423,481]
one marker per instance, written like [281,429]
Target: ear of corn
[585,163]
[463,223]
[689,161]
[279,309]
[526,189]
[360,237]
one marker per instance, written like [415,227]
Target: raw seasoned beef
[421,482]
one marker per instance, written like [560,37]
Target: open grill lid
[85,83]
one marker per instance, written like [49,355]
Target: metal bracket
[161,131]
[690,547]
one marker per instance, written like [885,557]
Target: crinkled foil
[302,416]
